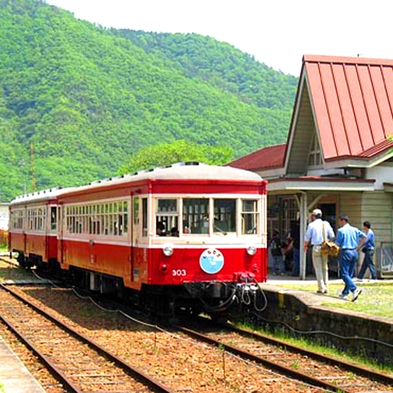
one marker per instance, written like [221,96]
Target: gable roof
[266,158]
[352,101]
[348,101]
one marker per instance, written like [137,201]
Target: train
[188,237]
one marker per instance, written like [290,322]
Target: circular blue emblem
[211,261]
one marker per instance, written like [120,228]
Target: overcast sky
[276,32]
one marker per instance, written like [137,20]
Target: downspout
[303,226]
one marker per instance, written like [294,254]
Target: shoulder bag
[328,248]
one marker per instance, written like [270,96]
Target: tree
[165,154]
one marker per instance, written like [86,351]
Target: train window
[17,218]
[109,219]
[224,216]
[36,219]
[53,218]
[196,215]
[144,216]
[250,216]
[167,214]
[125,218]
[136,211]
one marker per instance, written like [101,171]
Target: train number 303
[179,272]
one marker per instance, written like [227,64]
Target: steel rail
[136,373]
[267,363]
[358,369]
[60,376]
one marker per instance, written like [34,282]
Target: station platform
[295,306]
[14,376]
[309,295]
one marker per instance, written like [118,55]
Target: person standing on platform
[368,249]
[315,237]
[295,235]
[276,249]
[349,239]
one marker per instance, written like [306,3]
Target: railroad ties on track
[74,359]
[341,382]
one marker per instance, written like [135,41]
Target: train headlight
[251,250]
[163,267]
[167,251]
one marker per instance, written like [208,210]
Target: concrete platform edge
[14,375]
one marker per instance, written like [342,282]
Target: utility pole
[32,169]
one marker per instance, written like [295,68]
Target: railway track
[288,366]
[80,364]
[184,364]
[306,366]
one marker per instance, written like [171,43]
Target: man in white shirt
[317,232]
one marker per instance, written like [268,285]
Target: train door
[60,235]
[25,226]
[135,236]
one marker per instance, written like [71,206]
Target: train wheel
[54,269]
[22,260]
[220,317]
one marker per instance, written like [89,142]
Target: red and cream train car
[189,235]
[33,227]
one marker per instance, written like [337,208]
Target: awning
[306,183]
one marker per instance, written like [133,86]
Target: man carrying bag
[315,237]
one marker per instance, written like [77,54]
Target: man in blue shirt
[349,239]
[368,249]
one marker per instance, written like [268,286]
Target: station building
[4,216]
[339,153]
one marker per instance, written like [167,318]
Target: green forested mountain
[77,100]
[220,65]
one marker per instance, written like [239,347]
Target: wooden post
[303,227]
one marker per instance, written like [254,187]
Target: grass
[2,388]
[8,272]
[376,298]
[3,247]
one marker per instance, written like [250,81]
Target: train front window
[250,216]
[195,216]
[167,217]
[224,216]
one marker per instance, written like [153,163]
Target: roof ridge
[346,60]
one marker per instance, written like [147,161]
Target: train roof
[41,196]
[178,171]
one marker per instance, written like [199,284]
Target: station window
[249,216]
[196,215]
[224,216]
[167,216]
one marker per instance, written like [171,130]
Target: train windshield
[206,216]
[196,216]
[224,216]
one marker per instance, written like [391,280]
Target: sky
[276,32]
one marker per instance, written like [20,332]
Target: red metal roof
[353,104]
[352,99]
[266,158]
